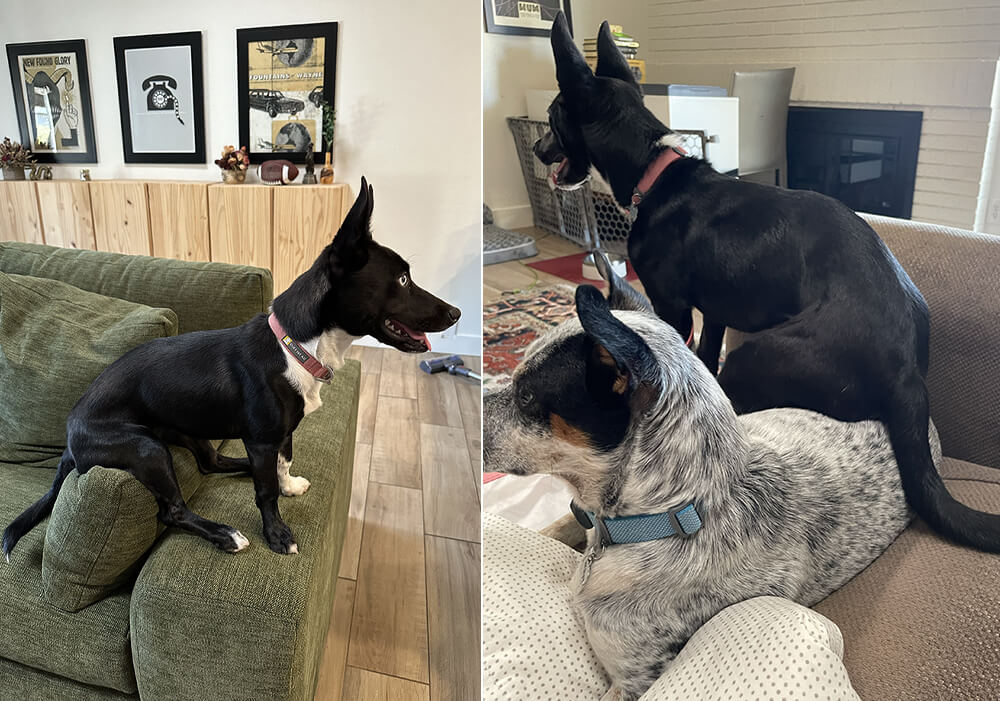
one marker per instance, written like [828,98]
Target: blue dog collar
[684,522]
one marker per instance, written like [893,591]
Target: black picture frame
[28,124]
[192,40]
[492,27]
[286,33]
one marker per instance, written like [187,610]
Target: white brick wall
[936,56]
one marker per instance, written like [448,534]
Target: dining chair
[764,99]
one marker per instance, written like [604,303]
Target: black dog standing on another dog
[832,321]
[254,382]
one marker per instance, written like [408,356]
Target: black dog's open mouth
[404,338]
[559,175]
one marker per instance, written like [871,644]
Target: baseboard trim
[517,217]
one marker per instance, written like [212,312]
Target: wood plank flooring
[406,615]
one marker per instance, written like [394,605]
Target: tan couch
[923,621]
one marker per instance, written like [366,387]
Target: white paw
[292,486]
[293,549]
[240,542]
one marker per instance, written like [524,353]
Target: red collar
[306,359]
[654,171]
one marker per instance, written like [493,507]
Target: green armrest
[252,625]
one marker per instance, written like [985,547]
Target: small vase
[10,173]
[326,175]
[233,177]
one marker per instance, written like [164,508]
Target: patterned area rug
[510,325]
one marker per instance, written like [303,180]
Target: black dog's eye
[525,397]
[403,279]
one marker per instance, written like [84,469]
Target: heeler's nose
[454,313]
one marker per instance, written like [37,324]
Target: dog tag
[592,556]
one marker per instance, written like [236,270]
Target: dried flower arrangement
[14,156]
[233,159]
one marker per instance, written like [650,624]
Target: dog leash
[652,174]
[306,359]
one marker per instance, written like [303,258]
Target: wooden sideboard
[282,228]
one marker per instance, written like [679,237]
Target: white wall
[513,64]
[407,100]
[938,56]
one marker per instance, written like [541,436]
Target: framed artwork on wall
[161,97]
[531,18]
[285,76]
[52,99]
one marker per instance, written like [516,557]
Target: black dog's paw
[280,539]
[233,541]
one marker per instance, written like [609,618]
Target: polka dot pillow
[535,646]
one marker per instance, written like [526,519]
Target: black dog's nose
[454,313]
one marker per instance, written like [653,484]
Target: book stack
[626,44]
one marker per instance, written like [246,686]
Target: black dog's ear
[621,295]
[572,72]
[610,62]
[621,362]
[349,250]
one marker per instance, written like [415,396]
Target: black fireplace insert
[867,159]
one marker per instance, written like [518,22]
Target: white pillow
[535,645]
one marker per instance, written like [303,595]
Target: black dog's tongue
[558,171]
[422,337]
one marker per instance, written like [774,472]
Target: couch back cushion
[956,271]
[54,340]
[203,295]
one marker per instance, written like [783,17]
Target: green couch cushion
[102,524]
[265,614]
[204,295]
[27,684]
[54,340]
[90,646]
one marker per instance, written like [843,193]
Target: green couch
[191,622]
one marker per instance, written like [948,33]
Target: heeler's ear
[620,364]
[349,250]
[621,295]
[572,72]
[610,62]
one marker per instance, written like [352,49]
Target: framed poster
[527,17]
[161,99]
[52,98]
[285,75]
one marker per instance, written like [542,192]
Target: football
[277,172]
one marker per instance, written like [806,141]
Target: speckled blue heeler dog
[789,502]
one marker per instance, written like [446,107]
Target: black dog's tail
[35,513]
[925,490]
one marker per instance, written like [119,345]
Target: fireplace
[867,159]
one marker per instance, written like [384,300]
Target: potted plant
[14,158]
[233,164]
[329,120]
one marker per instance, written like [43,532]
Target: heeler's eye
[403,279]
[525,397]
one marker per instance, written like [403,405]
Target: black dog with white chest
[832,322]
[253,382]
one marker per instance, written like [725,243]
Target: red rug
[511,324]
[571,268]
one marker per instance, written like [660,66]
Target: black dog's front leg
[710,344]
[264,468]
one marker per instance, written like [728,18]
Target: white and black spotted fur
[242,383]
[794,503]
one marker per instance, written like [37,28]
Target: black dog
[254,382]
[833,322]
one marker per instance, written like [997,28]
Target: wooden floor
[406,613]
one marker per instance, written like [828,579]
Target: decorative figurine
[85,174]
[310,177]
[233,164]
